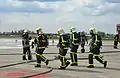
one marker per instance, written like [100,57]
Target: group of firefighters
[66,41]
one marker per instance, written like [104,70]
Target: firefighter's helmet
[25,31]
[60,31]
[39,30]
[92,31]
[72,29]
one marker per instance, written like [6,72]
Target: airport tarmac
[12,65]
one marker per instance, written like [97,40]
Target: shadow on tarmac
[79,70]
[76,70]
[98,67]
[116,69]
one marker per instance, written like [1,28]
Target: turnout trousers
[96,53]
[115,44]
[26,51]
[62,57]
[73,54]
[40,57]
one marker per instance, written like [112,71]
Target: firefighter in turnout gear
[95,45]
[83,40]
[74,45]
[26,45]
[41,42]
[116,40]
[63,48]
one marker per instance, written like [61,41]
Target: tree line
[19,32]
[51,35]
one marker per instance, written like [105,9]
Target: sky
[54,14]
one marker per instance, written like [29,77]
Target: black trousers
[115,44]
[62,56]
[82,46]
[39,56]
[96,53]
[73,54]
[26,51]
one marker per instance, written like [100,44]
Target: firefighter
[116,40]
[95,45]
[63,48]
[74,45]
[41,42]
[26,45]
[83,40]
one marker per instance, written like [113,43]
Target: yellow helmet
[72,29]
[92,30]
[60,31]
[39,30]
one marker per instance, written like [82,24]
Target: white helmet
[60,31]
[39,30]
[92,30]
[72,29]
[25,31]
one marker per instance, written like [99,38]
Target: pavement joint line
[49,59]
[85,58]
[58,53]
[24,62]
[16,63]
[49,67]
[88,45]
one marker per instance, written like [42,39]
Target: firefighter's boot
[37,65]
[24,58]
[91,66]
[67,63]
[29,57]
[115,47]
[74,64]
[47,62]
[82,50]
[105,64]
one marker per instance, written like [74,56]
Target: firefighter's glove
[95,44]
[32,45]
[30,38]
[46,46]
[87,42]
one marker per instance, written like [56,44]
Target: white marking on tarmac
[9,47]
